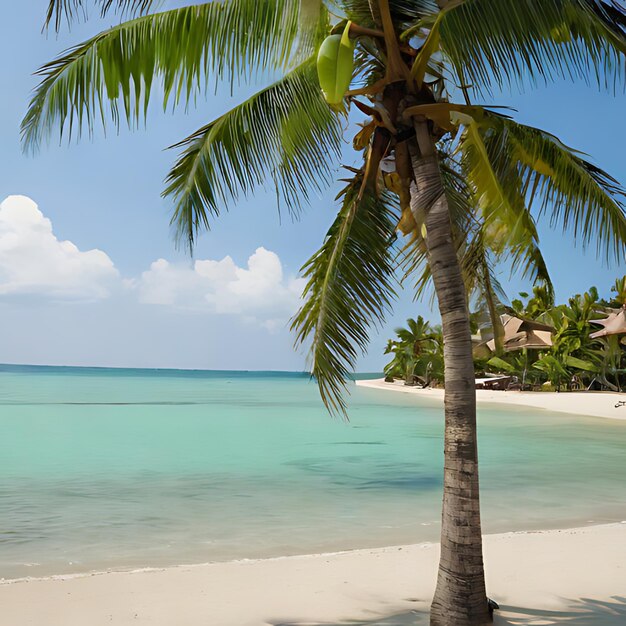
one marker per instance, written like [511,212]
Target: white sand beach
[575,577]
[590,403]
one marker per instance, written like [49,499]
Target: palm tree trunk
[496,322]
[460,597]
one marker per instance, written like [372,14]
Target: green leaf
[429,47]
[286,133]
[501,364]
[572,361]
[73,9]
[404,13]
[498,187]
[350,288]
[578,196]
[513,41]
[118,68]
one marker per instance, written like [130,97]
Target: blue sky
[125,307]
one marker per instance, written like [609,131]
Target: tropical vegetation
[417,353]
[462,182]
[573,362]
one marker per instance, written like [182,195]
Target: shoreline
[581,403]
[559,573]
[151,569]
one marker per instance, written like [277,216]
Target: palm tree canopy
[499,176]
[417,335]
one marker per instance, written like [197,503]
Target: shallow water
[130,468]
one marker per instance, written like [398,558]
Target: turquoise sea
[108,468]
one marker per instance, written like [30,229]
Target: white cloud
[258,293]
[34,261]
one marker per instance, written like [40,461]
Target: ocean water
[112,469]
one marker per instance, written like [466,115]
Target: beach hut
[522,333]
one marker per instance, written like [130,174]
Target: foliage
[350,287]
[498,175]
[72,9]
[285,131]
[574,361]
[417,352]
[115,73]
[581,358]
[511,41]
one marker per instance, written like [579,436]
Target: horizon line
[167,369]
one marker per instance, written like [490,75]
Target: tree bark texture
[460,597]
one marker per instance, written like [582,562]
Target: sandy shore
[575,577]
[591,403]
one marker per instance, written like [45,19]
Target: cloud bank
[34,262]
[258,292]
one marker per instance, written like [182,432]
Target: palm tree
[573,348]
[415,349]
[397,366]
[403,363]
[416,338]
[541,302]
[411,59]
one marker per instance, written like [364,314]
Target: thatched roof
[522,333]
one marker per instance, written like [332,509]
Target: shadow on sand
[581,612]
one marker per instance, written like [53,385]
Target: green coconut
[335,63]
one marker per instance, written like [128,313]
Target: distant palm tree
[441,162]
[414,346]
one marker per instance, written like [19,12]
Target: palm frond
[478,266]
[497,188]
[73,9]
[578,196]
[528,261]
[403,12]
[118,68]
[286,133]
[476,262]
[369,64]
[613,13]
[350,288]
[512,41]
[481,252]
